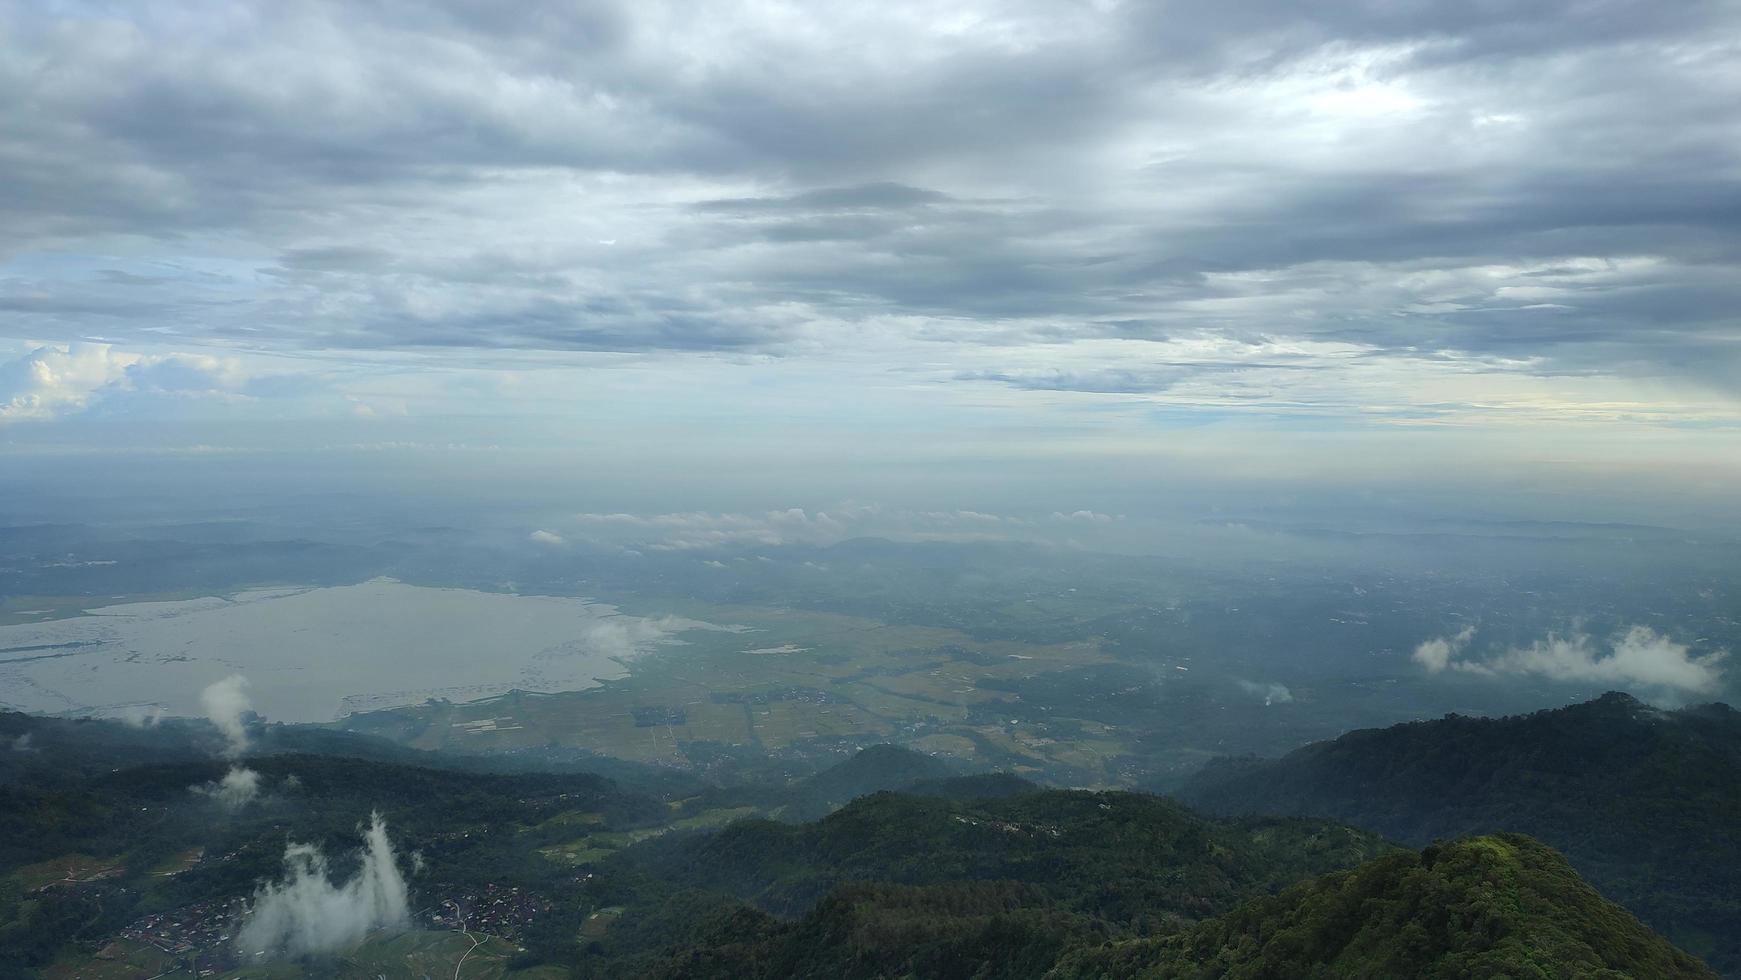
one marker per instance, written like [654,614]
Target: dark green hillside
[879,768]
[474,829]
[973,877]
[318,798]
[876,768]
[981,786]
[983,930]
[1643,802]
[1127,857]
[1005,882]
[64,750]
[1498,906]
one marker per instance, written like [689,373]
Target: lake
[314,654]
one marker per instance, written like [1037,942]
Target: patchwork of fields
[793,683]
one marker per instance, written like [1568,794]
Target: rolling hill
[1643,802]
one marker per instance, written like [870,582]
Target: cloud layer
[1401,211]
[1637,656]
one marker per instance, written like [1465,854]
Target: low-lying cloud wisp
[225,702]
[140,715]
[1271,693]
[238,787]
[1637,655]
[307,914]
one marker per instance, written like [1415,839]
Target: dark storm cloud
[1552,182]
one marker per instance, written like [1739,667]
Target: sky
[1483,256]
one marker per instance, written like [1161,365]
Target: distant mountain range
[1646,803]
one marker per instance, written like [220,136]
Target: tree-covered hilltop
[870,770]
[1645,803]
[1138,860]
[1495,906]
[978,930]
[948,884]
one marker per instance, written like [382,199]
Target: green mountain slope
[1126,857]
[1645,803]
[980,930]
[1496,906]
[122,829]
[977,876]
[876,768]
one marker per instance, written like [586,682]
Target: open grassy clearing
[602,844]
[70,869]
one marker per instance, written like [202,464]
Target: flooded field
[319,653]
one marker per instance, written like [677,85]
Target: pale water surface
[317,653]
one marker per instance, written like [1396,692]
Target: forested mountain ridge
[1070,885]
[1644,802]
[109,869]
[1495,906]
[1126,857]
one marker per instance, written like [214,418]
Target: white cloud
[53,381]
[50,381]
[140,715]
[1083,517]
[621,637]
[225,702]
[1637,656]
[1271,693]
[239,786]
[550,538]
[307,914]
[1435,654]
